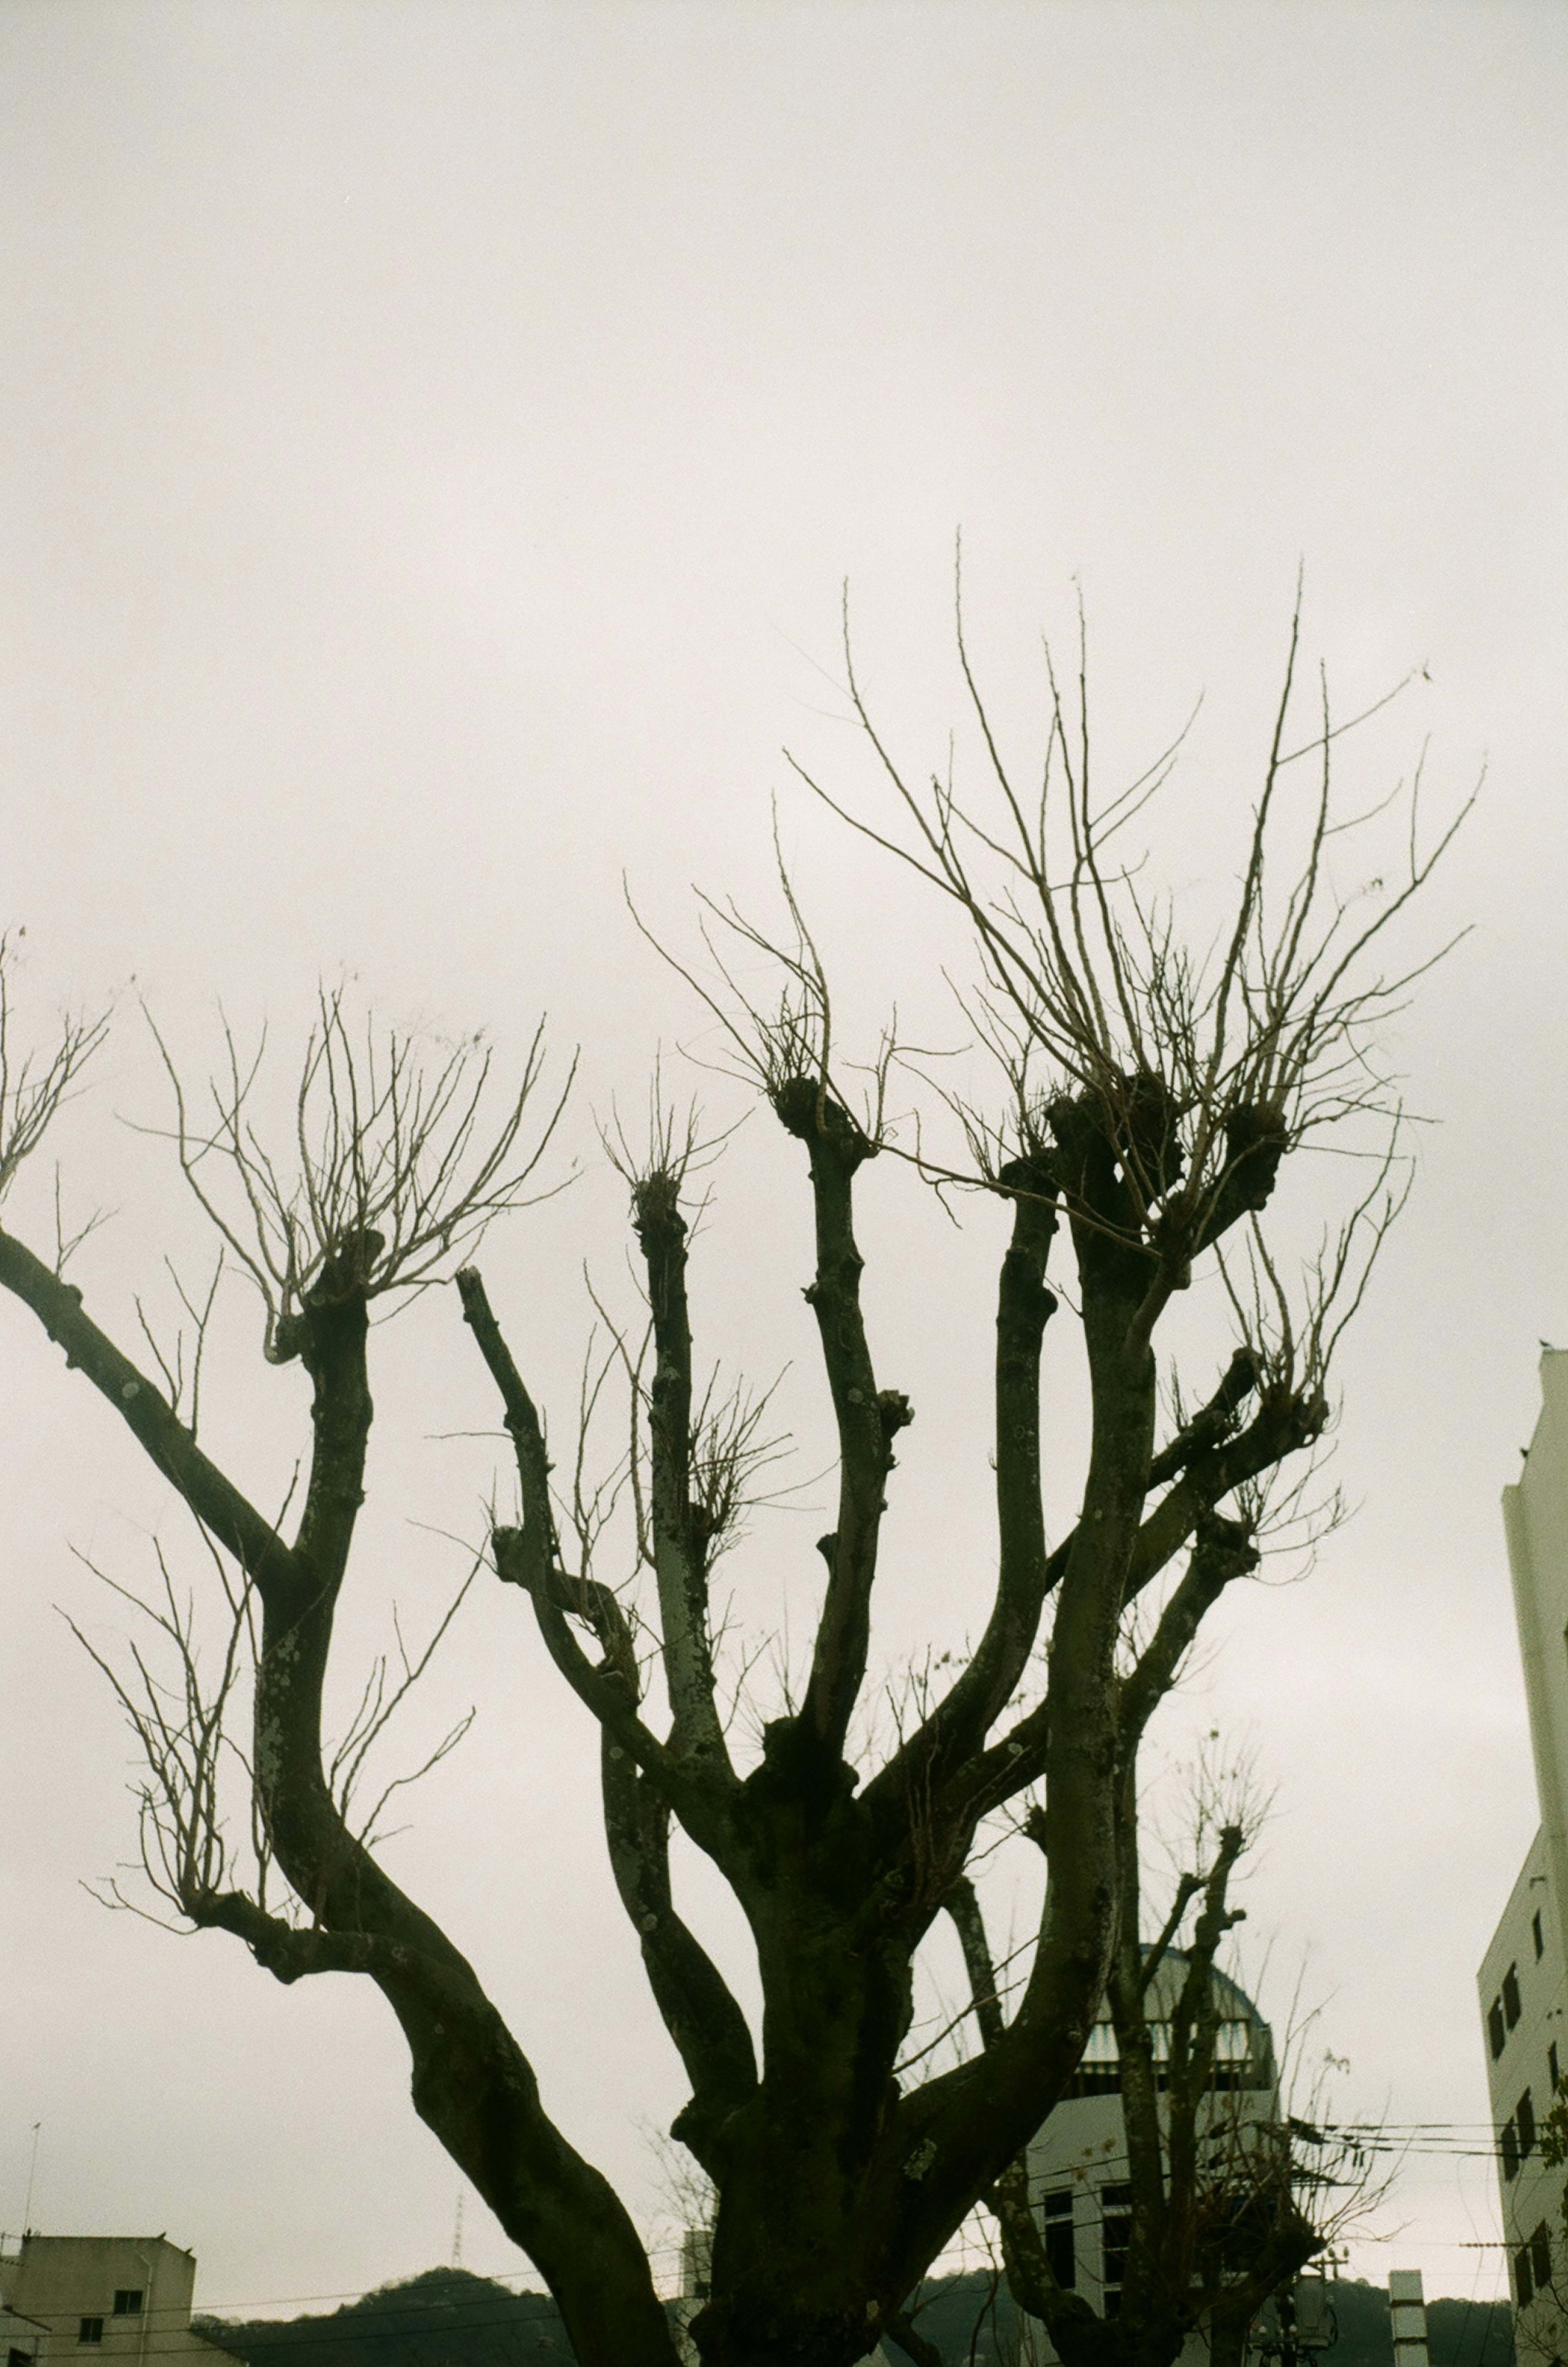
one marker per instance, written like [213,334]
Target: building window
[20,2359]
[1060,2255]
[1552,2065]
[128,2302]
[1495,2033]
[1522,2285]
[1511,2149]
[1116,2227]
[90,2330]
[1541,2257]
[1511,1995]
[1537,1935]
[1523,2121]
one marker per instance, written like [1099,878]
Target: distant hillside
[1459,2333]
[443,2318]
[447,2318]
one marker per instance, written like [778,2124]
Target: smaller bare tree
[1226,2204]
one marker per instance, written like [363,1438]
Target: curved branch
[1028,2274]
[529,1557]
[1224,1550]
[1286,1422]
[693,2000]
[1213,1423]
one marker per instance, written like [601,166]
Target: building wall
[1535,1522]
[1523,1981]
[121,2298]
[21,2338]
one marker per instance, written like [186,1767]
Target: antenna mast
[32,2173]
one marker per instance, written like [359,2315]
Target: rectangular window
[1537,1935]
[128,2302]
[1497,2034]
[90,2330]
[1511,1995]
[1059,2250]
[19,2358]
[1523,2121]
[1116,2227]
[1541,2257]
[1509,2144]
[1522,2286]
[1552,2066]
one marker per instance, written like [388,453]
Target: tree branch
[693,2000]
[867,1421]
[1286,1422]
[680,1544]
[1028,2274]
[217,1503]
[1224,1550]
[529,1557]
[1024,1575]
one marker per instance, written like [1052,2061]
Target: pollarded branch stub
[1257,1135]
[1215,1422]
[1228,1543]
[656,1207]
[346,1279]
[805,1108]
[1242,1376]
[1257,1139]
[510,1559]
[897,1414]
[797,1765]
[1031,1180]
[285,1338]
[348,1272]
[1300,1414]
[1145,1124]
[1131,1123]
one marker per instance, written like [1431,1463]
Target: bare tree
[1229,2195]
[1150,1094]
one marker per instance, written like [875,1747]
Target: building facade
[1522,1981]
[23,2340]
[101,2298]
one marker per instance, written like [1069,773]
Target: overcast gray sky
[433,439]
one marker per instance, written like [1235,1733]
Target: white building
[1078,2162]
[1521,1977]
